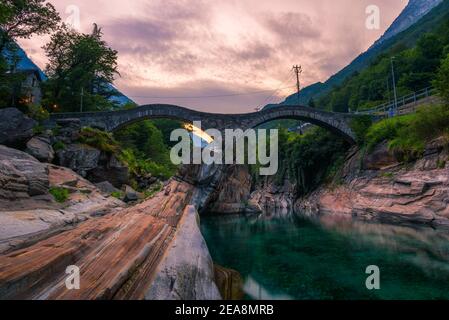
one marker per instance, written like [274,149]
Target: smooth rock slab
[187,272]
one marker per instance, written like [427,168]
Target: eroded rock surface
[21,175]
[417,193]
[184,276]
[40,148]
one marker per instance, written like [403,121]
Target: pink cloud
[194,47]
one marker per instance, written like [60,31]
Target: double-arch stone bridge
[338,123]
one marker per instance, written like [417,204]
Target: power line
[210,96]
[277,90]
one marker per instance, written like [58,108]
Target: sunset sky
[190,48]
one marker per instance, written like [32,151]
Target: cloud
[199,47]
[292,25]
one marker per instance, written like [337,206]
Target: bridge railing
[403,103]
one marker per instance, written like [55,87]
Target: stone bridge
[337,123]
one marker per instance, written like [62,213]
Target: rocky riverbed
[375,187]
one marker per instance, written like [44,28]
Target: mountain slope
[417,18]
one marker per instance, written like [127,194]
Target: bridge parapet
[338,123]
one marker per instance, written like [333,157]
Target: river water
[286,257]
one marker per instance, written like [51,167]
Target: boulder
[15,127]
[40,148]
[68,131]
[106,187]
[111,170]
[130,194]
[79,157]
[229,283]
[379,158]
[21,174]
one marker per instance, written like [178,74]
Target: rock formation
[15,127]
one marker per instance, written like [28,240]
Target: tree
[81,69]
[312,103]
[24,18]
[441,83]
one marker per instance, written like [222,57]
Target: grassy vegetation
[99,139]
[117,194]
[407,135]
[58,145]
[60,194]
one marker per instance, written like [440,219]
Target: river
[287,257]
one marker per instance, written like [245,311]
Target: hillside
[404,30]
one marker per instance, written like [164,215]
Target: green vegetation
[307,160]
[407,135]
[81,66]
[59,145]
[20,20]
[145,150]
[415,68]
[441,82]
[60,194]
[117,194]
[360,126]
[99,139]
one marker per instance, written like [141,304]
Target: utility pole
[394,86]
[81,102]
[298,70]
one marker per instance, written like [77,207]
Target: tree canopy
[24,18]
[81,68]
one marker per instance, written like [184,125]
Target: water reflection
[282,256]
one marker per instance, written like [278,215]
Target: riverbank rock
[119,254]
[414,194]
[273,197]
[109,169]
[130,194]
[187,272]
[106,187]
[79,157]
[40,148]
[379,158]
[68,130]
[233,192]
[229,283]
[15,127]
[21,175]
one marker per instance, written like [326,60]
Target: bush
[360,126]
[407,135]
[99,139]
[385,130]
[441,83]
[59,145]
[37,112]
[141,167]
[60,194]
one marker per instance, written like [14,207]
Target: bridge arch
[338,123]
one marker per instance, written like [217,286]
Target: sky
[224,56]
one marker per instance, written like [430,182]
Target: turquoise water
[293,258]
